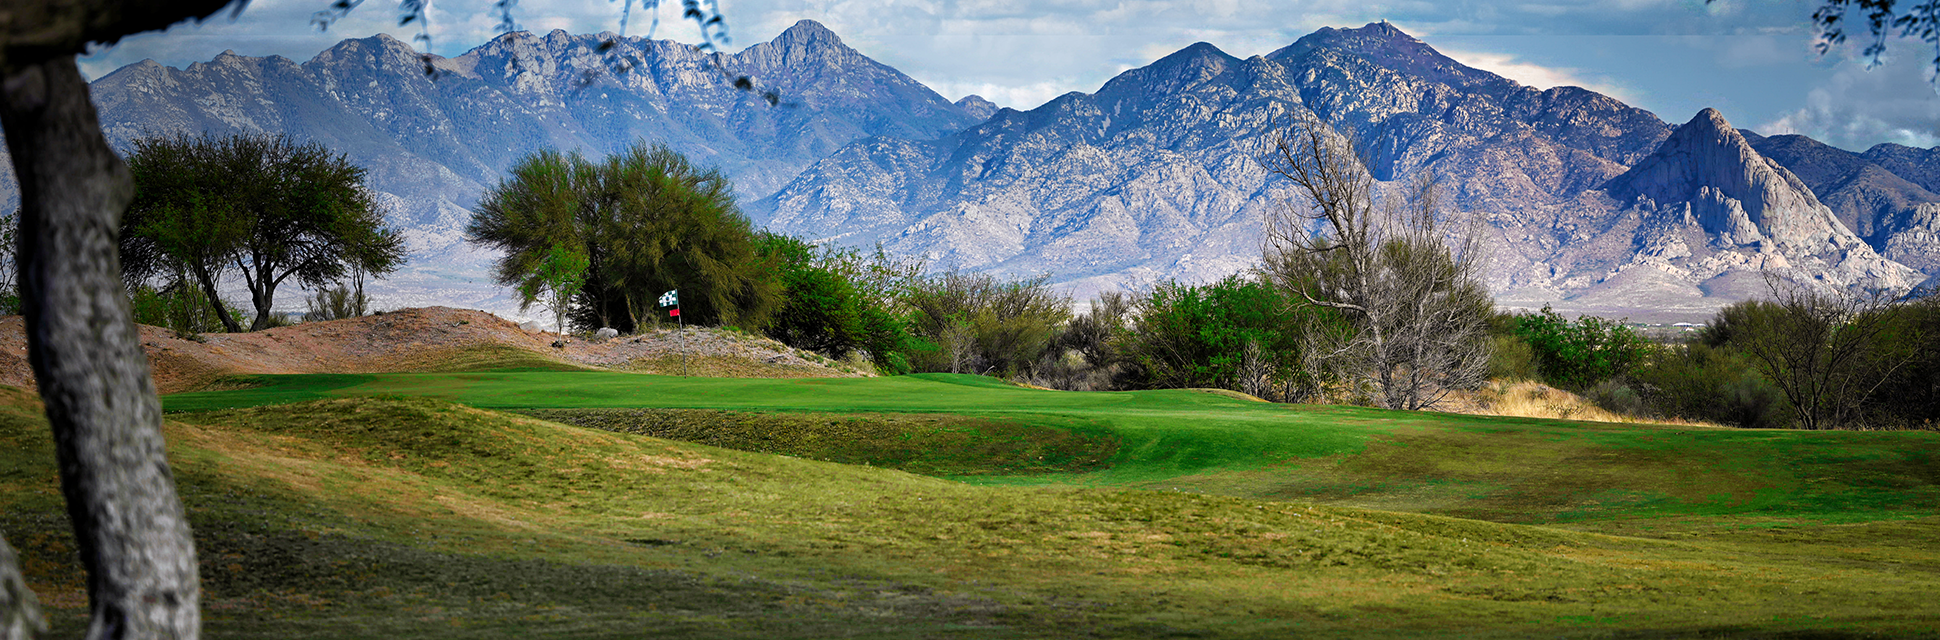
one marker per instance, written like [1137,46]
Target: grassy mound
[1628,478]
[930,444]
[367,517]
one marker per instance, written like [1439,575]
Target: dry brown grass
[1531,399]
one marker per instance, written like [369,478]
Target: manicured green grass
[394,516]
[1605,477]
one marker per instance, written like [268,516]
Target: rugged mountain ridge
[1154,177]
[1588,203]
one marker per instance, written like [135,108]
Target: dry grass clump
[1531,399]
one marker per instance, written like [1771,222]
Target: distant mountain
[1587,203]
[434,144]
[1585,199]
[1892,214]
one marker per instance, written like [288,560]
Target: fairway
[377,506]
[1611,477]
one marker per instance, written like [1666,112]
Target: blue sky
[1751,59]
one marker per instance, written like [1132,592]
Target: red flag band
[671,313]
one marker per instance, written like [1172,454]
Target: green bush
[1238,333]
[975,323]
[1512,359]
[1581,353]
[1699,381]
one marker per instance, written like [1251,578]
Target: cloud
[1857,108]
[1540,76]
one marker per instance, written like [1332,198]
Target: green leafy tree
[1239,333]
[840,300]
[260,207]
[1581,353]
[558,280]
[647,221]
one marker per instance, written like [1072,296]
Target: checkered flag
[670,298]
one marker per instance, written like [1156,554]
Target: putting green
[1503,469]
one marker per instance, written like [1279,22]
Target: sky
[1753,60]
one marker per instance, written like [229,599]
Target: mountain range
[1587,203]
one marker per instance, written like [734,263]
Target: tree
[1579,354]
[1238,333]
[9,271]
[129,524]
[558,280]
[975,323]
[647,220]
[1828,354]
[259,206]
[1416,309]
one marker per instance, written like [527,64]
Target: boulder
[605,333]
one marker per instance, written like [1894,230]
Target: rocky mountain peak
[805,46]
[1386,46]
[1708,152]
[977,107]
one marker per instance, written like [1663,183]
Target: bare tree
[1405,280]
[1827,352]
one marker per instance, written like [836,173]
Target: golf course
[578,503]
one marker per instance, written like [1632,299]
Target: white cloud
[1857,108]
[1540,76]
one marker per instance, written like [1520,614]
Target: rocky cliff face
[1713,217]
[1891,213]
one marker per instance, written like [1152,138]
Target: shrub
[1238,333]
[1579,354]
[975,323]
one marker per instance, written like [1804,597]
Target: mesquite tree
[263,207]
[1403,279]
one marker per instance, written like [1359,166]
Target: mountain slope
[1154,176]
[1892,214]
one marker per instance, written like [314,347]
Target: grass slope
[378,517]
[1632,479]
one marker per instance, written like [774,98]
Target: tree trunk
[19,611]
[130,527]
[208,284]
[264,301]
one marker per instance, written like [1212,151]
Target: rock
[559,344]
[606,333]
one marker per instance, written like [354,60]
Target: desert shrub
[1512,359]
[838,301]
[1578,354]
[1617,397]
[1086,357]
[1238,333]
[975,323]
[336,303]
[1698,381]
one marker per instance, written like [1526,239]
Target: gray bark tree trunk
[19,611]
[131,530]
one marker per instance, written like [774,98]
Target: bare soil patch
[433,339]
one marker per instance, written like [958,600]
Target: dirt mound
[431,339]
